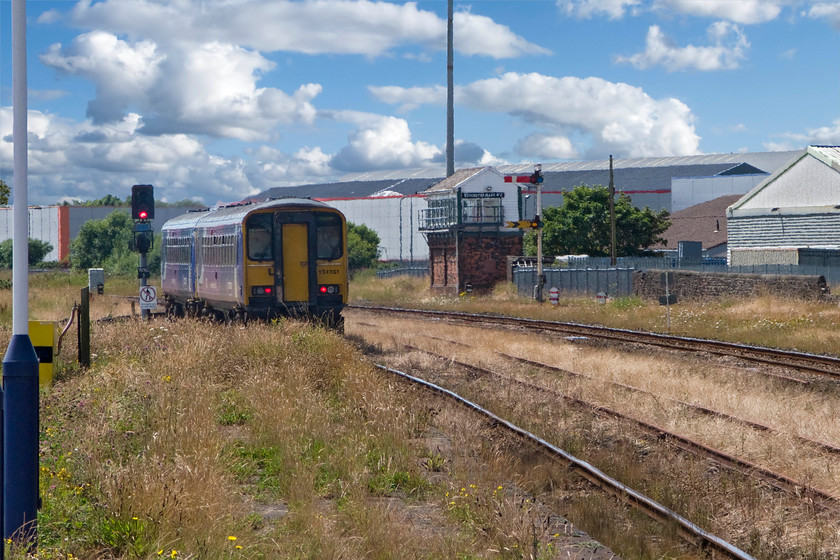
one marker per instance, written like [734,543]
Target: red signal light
[142,202]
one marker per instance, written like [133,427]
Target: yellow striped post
[42,334]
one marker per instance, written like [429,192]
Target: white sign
[148,297]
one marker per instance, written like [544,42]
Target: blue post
[2,489]
[20,364]
[20,440]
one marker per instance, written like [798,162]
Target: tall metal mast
[450,94]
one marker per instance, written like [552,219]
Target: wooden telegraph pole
[612,216]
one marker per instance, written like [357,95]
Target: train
[282,257]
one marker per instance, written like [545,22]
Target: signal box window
[259,238]
[329,236]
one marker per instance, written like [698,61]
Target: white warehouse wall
[689,191]
[43,226]
[44,222]
[393,218]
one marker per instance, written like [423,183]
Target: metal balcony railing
[435,219]
[444,217]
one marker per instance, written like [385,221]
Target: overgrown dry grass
[53,294]
[766,320]
[194,440]
[189,440]
[179,430]
[731,507]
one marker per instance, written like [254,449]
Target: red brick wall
[482,259]
[477,259]
[444,265]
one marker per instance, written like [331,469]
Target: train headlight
[328,289]
[262,290]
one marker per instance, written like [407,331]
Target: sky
[217,100]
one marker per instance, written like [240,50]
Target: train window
[259,237]
[329,236]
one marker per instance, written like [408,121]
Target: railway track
[483,350]
[825,500]
[711,545]
[816,444]
[824,366]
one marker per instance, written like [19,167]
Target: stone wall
[689,285]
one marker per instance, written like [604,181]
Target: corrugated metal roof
[350,189]
[450,183]
[765,161]
[631,174]
[829,155]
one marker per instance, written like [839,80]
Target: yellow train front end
[295,261]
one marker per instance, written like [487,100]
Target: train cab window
[329,236]
[259,238]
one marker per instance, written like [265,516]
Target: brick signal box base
[461,260]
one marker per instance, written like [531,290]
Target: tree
[362,246]
[108,243]
[5,193]
[107,200]
[99,239]
[582,225]
[37,251]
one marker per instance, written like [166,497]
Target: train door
[295,264]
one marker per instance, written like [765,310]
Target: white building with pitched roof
[793,216]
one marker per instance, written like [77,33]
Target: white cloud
[469,154]
[208,88]
[728,48]
[380,142]
[739,11]
[546,146]
[70,160]
[826,10]
[50,16]
[585,9]
[614,117]
[122,72]
[312,26]
[479,35]
[823,135]
[307,165]
[409,98]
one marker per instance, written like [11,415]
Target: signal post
[142,212]
[535,179]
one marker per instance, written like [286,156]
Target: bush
[37,251]
[108,244]
[362,246]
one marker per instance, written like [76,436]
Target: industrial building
[391,202]
[58,225]
[793,216]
